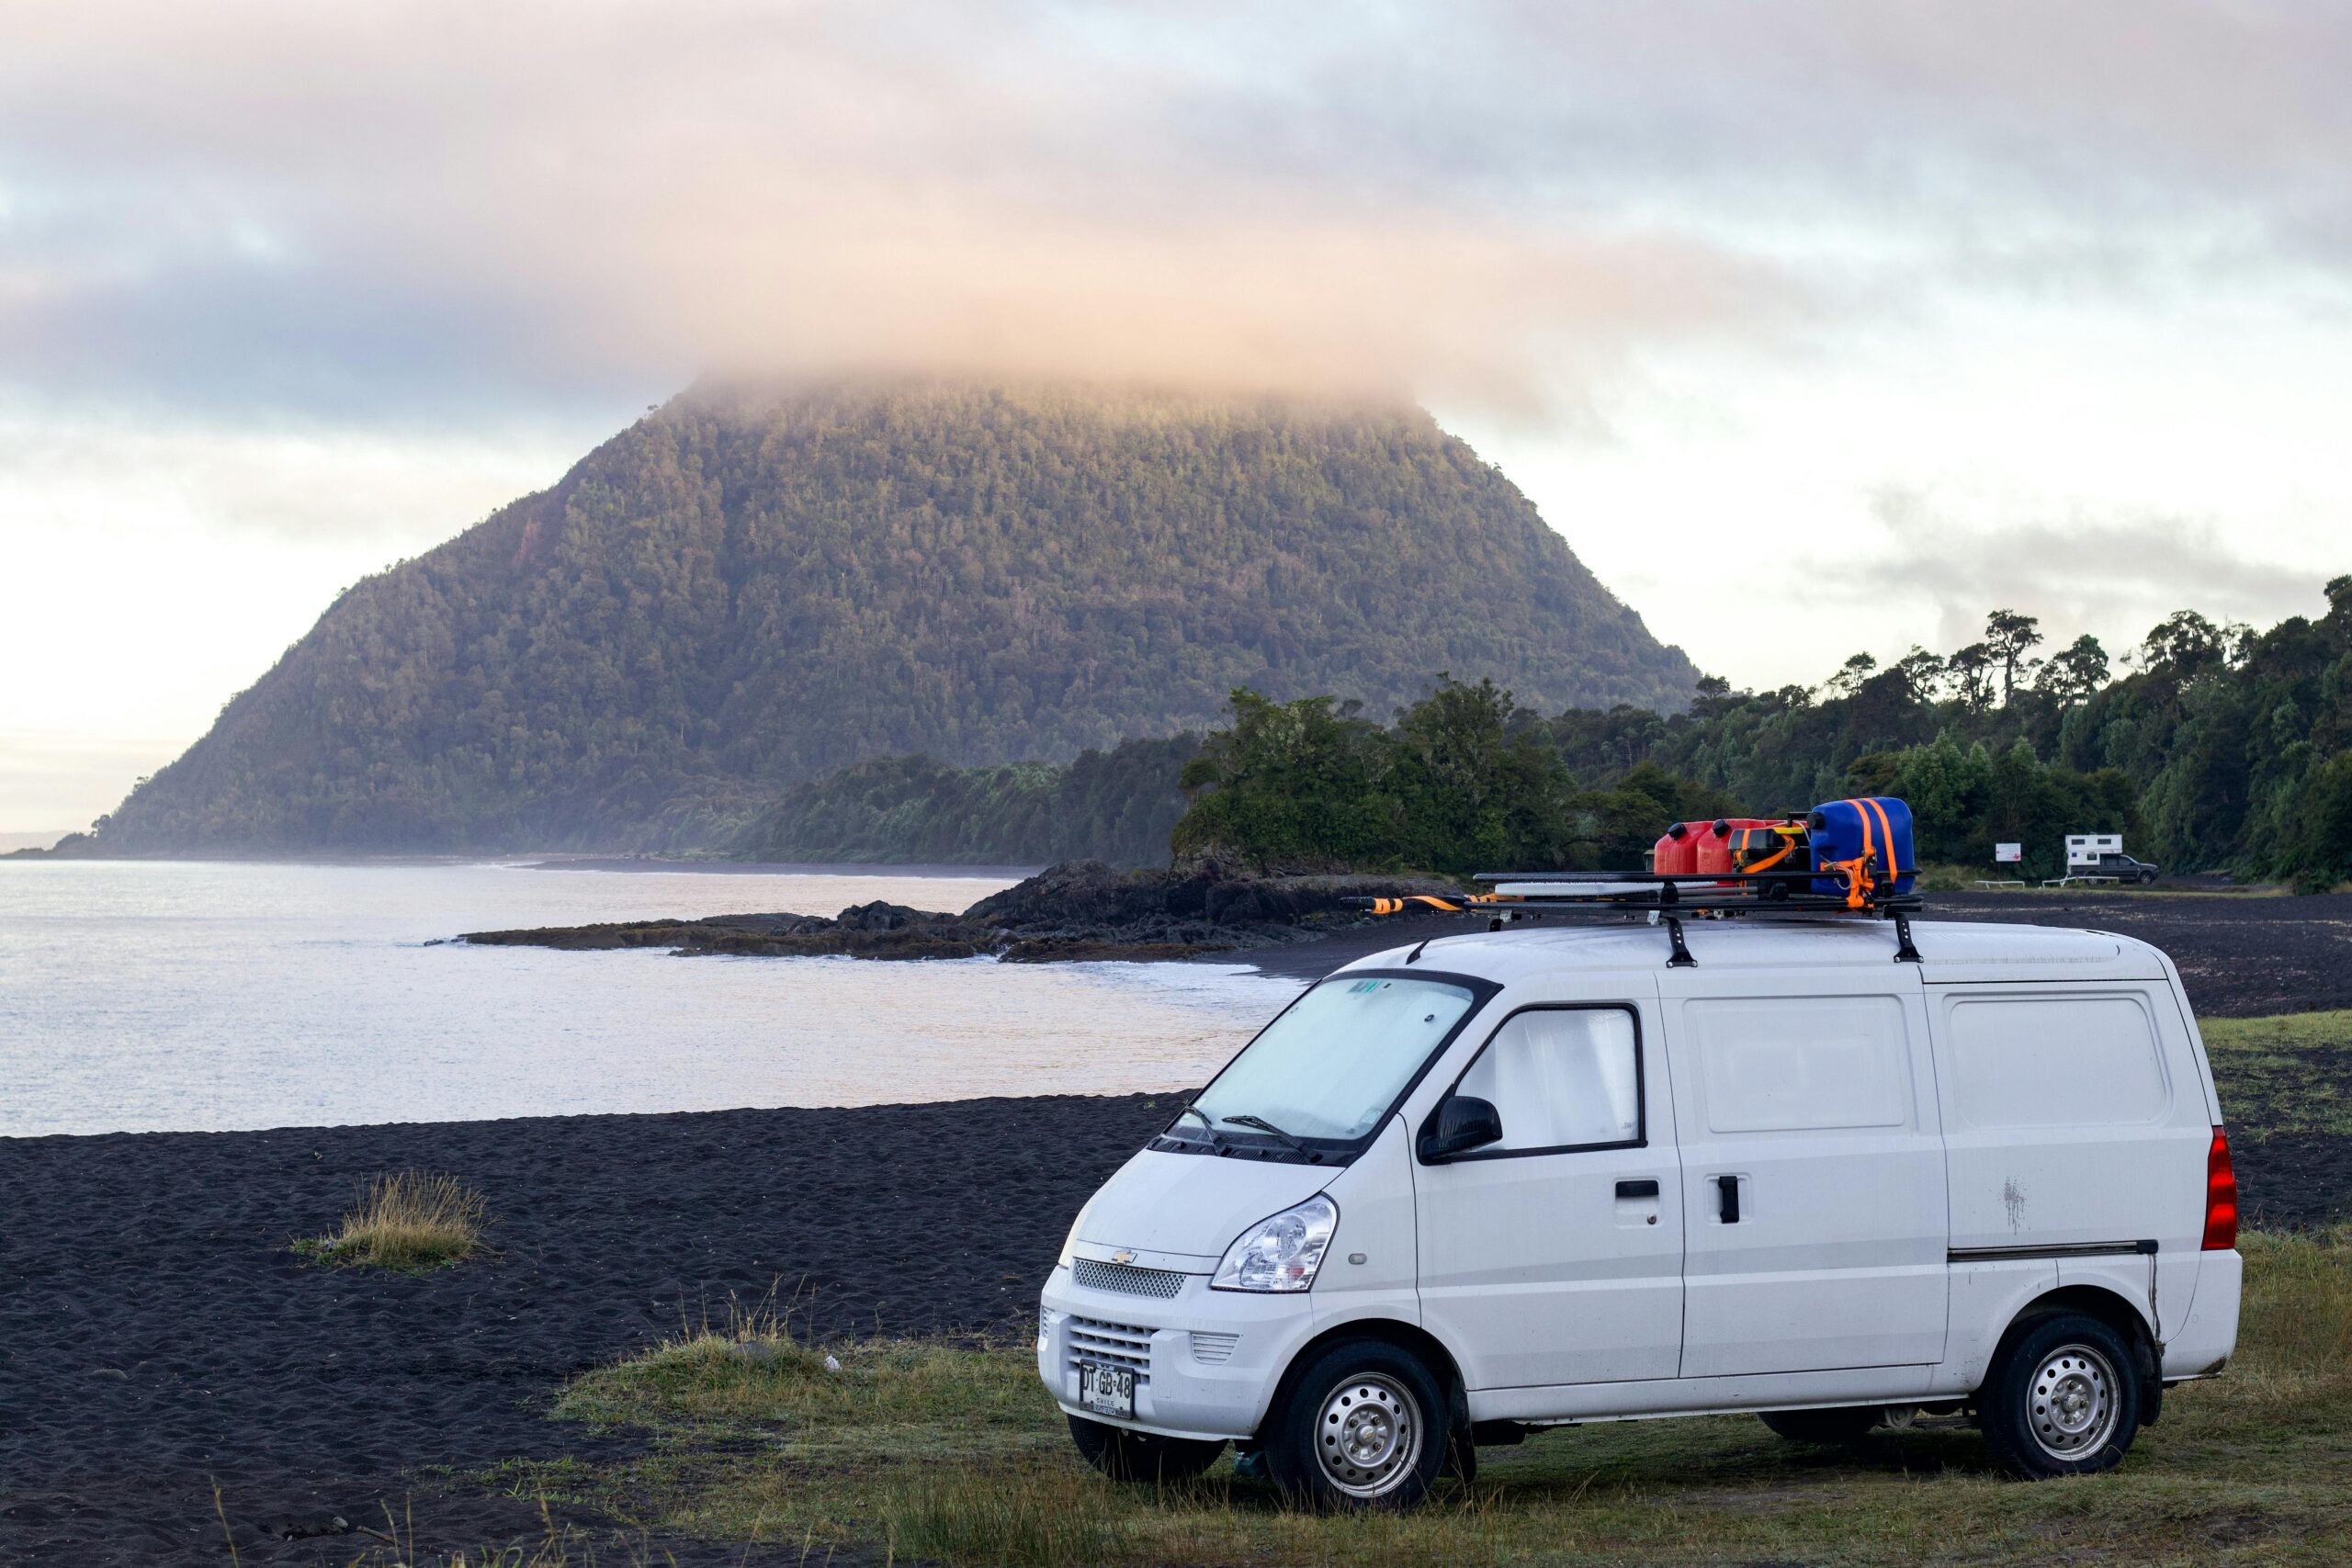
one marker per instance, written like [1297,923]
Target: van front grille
[1214,1348]
[1160,1283]
[1122,1344]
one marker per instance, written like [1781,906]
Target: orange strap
[1857,880]
[1886,831]
[1452,906]
[1775,858]
[1863,812]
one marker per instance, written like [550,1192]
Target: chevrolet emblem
[1123,1256]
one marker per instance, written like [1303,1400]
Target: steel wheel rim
[1368,1435]
[2071,1404]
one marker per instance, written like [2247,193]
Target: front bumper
[1207,1362]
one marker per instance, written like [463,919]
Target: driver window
[1561,1078]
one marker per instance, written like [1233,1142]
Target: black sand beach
[156,1334]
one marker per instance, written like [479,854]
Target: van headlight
[1281,1253]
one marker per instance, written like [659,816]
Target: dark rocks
[1078,909]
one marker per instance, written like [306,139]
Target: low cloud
[342,211]
[2116,573]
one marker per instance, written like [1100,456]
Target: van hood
[1183,1210]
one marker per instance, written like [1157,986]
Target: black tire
[1124,1455]
[2147,879]
[2063,1398]
[1843,1427]
[1363,1425]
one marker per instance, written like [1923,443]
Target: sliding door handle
[1728,1194]
[1638,1189]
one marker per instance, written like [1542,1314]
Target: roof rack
[1667,898]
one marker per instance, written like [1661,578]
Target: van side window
[2038,1061]
[1563,1077]
[1812,1063]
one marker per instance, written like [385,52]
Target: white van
[1540,1177]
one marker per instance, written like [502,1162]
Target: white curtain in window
[1562,1076]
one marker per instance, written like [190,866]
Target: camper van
[2100,855]
[1521,1179]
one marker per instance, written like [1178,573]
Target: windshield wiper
[1215,1142]
[1263,1125]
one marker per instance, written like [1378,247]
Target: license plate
[1107,1390]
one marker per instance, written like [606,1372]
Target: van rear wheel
[1844,1426]
[1124,1455]
[2063,1398]
[1365,1425]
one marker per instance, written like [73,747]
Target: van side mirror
[1462,1123]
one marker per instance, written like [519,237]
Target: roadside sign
[2009,855]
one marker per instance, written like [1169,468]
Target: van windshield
[1332,1066]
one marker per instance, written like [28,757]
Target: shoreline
[551,860]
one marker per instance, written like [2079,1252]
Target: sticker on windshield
[1363,985]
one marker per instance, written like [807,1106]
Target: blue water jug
[1876,826]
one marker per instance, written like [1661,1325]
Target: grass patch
[408,1222]
[2286,1073]
[953,1452]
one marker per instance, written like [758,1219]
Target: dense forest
[750,588]
[2211,747]
[2214,746]
[2218,747]
[1118,806]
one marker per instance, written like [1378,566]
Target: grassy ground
[2291,1073]
[953,1452]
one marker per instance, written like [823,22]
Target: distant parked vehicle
[2100,855]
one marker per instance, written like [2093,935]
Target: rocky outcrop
[1078,909]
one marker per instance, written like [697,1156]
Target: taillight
[2221,1196]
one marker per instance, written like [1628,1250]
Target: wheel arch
[2118,1311]
[1410,1337]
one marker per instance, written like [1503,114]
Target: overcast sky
[1813,327]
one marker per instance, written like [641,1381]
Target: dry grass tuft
[408,1222]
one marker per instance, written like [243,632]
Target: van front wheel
[1364,1427]
[2063,1398]
[1124,1455]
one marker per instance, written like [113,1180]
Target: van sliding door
[1813,1169]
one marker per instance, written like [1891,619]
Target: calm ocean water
[141,996]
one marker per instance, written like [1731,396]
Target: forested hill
[743,590]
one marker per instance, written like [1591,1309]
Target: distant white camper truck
[2099,857]
[1531,1178]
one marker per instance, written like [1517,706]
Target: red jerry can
[1714,842]
[1675,851]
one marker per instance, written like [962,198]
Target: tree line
[2210,745]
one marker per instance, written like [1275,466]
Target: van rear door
[1815,1227]
[2080,1129]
